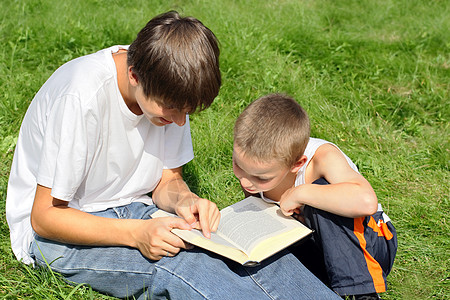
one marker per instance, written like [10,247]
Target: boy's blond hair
[273,127]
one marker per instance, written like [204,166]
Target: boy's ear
[132,77]
[299,164]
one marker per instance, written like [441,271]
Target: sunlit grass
[373,75]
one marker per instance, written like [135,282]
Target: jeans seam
[122,212]
[64,270]
[258,284]
[181,278]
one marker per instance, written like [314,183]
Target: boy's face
[257,177]
[157,114]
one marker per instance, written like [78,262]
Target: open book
[249,231]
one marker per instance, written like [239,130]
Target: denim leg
[212,277]
[285,277]
[117,271]
[193,274]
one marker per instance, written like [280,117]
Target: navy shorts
[352,255]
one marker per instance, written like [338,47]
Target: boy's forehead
[254,166]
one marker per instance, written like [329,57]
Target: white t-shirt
[80,139]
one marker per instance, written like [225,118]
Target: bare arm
[53,219]
[349,194]
[172,194]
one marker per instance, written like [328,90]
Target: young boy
[275,158]
[103,132]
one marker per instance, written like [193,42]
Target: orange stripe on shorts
[381,228]
[372,265]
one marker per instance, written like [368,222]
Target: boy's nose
[245,182]
[179,119]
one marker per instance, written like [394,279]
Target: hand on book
[200,213]
[250,230]
[155,240]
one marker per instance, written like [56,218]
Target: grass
[373,75]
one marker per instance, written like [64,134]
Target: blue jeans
[192,274]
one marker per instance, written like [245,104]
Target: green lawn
[373,75]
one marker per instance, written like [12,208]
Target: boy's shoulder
[315,143]
[87,68]
[83,77]
[323,154]
[312,147]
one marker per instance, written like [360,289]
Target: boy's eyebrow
[254,175]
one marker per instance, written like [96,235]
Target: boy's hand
[154,239]
[199,213]
[289,203]
[173,195]
[298,215]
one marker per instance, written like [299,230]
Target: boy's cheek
[235,171]
[264,187]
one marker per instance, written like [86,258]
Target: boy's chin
[251,191]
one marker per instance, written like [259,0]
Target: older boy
[104,131]
[275,157]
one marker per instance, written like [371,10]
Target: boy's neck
[287,183]
[120,60]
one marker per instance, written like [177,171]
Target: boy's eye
[185,110]
[263,179]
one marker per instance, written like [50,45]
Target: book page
[194,234]
[251,221]
[258,230]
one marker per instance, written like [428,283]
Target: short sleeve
[70,137]
[178,145]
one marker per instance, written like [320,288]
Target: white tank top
[311,148]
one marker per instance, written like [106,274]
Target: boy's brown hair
[273,127]
[176,60]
